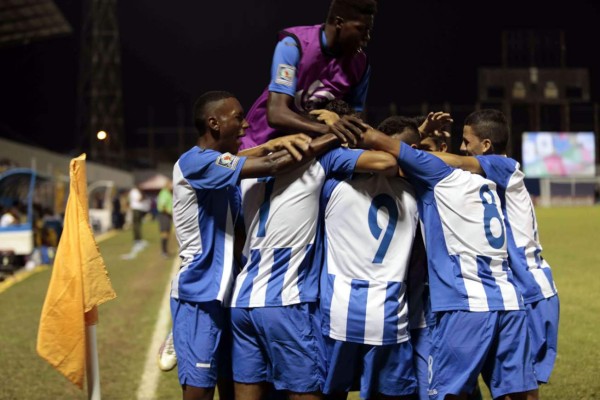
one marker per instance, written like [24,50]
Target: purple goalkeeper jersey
[321,77]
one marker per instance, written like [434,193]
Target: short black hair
[490,124]
[419,119]
[400,125]
[351,9]
[340,107]
[202,104]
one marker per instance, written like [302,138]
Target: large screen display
[558,154]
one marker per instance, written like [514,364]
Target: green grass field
[569,236]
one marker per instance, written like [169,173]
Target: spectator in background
[117,214]
[164,207]
[10,217]
[139,207]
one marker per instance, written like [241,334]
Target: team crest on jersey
[228,160]
[285,74]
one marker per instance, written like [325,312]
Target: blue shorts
[542,318]
[421,344]
[495,344]
[202,339]
[282,345]
[380,369]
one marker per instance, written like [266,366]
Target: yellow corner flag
[78,284]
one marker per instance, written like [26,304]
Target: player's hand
[348,129]
[435,121]
[296,145]
[441,133]
[368,137]
[327,117]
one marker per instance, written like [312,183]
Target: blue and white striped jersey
[281,219]
[206,204]
[370,224]
[532,273]
[465,236]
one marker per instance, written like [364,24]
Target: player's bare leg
[250,391]
[336,396]
[197,393]
[305,396]
[225,388]
[533,394]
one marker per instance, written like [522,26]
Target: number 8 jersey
[370,224]
[465,236]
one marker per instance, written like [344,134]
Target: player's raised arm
[378,162]
[465,163]
[275,163]
[415,164]
[296,144]
[376,140]
[281,117]
[435,122]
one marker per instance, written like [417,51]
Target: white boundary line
[151,376]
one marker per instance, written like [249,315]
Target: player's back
[465,236]
[532,272]
[370,224]
[474,234]
[281,217]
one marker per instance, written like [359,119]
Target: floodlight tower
[100,105]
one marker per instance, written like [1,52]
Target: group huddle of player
[348,257]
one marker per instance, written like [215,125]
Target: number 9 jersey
[465,236]
[369,228]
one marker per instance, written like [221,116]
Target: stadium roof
[24,21]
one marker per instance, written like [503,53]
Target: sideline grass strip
[124,330]
[151,375]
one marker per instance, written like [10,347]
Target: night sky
[173,51]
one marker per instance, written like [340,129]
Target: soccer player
[311,66]
[420,317]
[206,207]
[485,137]
[434,129]
[370,223]
[480,318]
[435,142]
[276,325]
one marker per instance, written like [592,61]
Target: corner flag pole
[92,366]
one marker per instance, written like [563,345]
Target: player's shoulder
[198,158]
[293,30]
[300,34]
[498,161]
[196,154]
